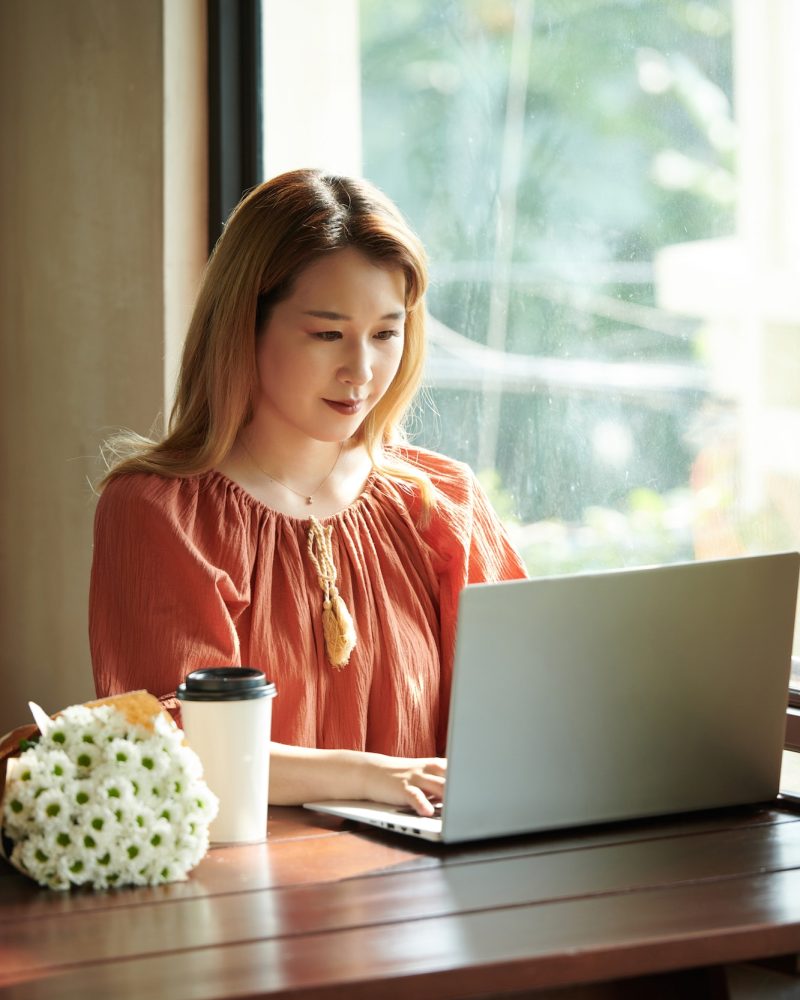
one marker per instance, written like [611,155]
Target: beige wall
[89,327]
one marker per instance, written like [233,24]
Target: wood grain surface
[326,909]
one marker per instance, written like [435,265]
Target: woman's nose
[357,367]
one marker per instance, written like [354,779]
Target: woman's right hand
[400,781]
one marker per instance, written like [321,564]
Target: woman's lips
[348,408]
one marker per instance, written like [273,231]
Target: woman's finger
[431,784]
[418,800]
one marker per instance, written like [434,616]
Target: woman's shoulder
[463,527]
[450,477]
[450,519]
[200,514]
[133,489]
[135,495]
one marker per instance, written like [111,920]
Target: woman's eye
[387,334]
[327,335]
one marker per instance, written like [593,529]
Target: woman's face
[329,351]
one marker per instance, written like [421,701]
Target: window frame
[234,104]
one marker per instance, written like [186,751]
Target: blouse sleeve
[492,556]
[472,546]
[159,603]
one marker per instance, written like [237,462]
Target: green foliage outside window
[610,138]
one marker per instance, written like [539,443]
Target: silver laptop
[609,696]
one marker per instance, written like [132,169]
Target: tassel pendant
[337,627]
[337,622]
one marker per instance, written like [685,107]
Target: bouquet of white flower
[107,795]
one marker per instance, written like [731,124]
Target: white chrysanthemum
[102,802]
[32,856]
[151,791]
[55,767]
[161,835]
[156,759]
[125,754]
[51,808]
[95,843]
[74,866]
[188,762]
[205,802]
[19,802]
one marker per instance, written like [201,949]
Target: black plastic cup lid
[225,684]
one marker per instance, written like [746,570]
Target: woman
[283,523]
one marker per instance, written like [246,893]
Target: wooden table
[328,910]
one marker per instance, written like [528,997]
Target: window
[606,193]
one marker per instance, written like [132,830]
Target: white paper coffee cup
[227,718]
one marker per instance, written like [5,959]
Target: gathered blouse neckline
[253,501]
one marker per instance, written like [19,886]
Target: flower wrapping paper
[103,794]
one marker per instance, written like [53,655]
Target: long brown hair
[276,231]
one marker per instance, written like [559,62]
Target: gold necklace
[308,497]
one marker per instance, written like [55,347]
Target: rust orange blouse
[196,572]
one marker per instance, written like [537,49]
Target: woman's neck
[298,478]
[293,458]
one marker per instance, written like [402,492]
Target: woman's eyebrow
[326,314]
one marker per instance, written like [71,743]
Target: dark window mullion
[234,97]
